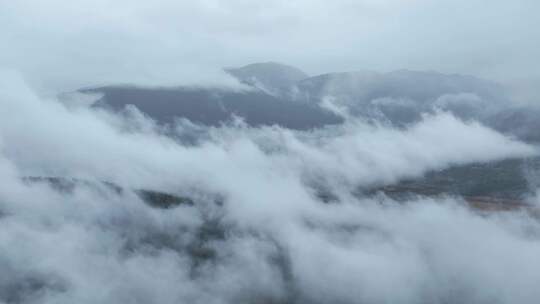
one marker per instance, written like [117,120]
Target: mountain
[420,86]
[522,122]
[286,96]
[214,106]
[400,97]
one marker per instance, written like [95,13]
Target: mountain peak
[269,76]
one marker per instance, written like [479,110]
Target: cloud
[257,231]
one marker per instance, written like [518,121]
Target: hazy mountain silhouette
[286,96]
[214,106]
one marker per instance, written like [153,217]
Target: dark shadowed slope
[510,179]
[213,106]
[522,122]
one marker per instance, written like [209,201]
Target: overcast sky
[60,44]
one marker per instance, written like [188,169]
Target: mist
[411,175]
[273,239]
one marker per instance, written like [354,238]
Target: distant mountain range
[215,106]
[286,96]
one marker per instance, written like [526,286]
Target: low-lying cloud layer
[258,231]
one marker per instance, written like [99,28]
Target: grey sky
[60,44]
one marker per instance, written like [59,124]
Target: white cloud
[279,241]
[275,239]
